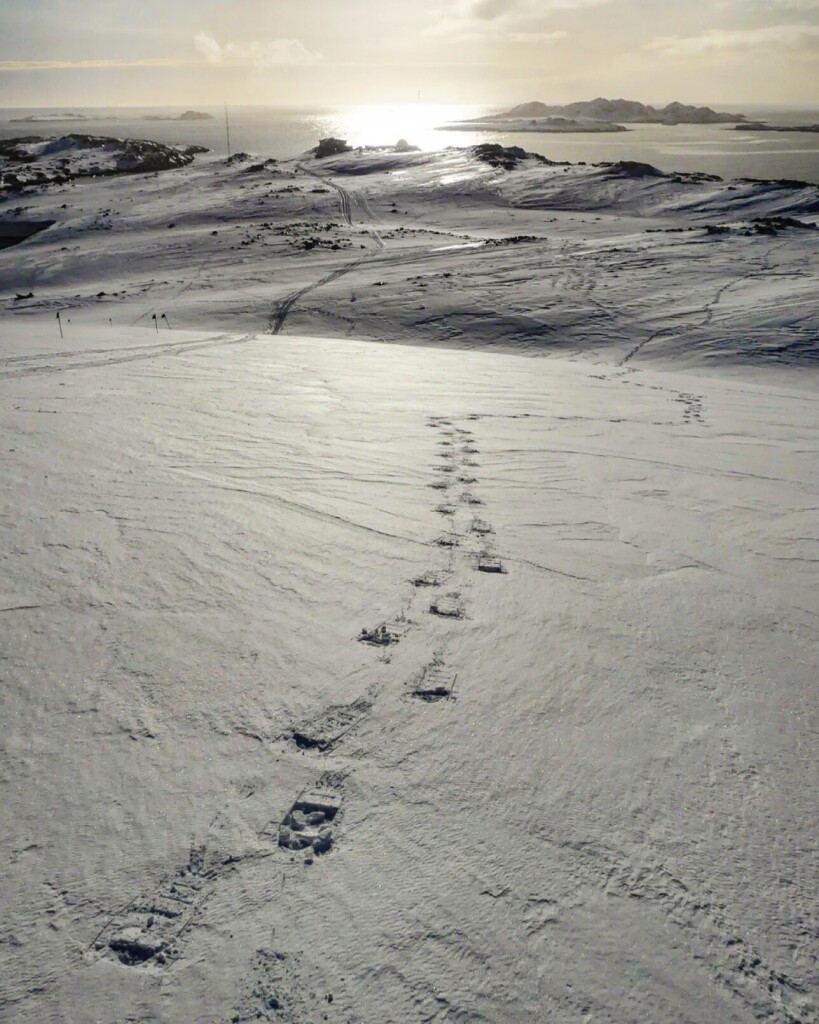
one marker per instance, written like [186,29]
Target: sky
[59,53]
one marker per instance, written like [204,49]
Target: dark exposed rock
[34,160]
[507,157]
[632,169]
[331,147]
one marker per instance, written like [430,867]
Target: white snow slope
[434,248]
[579,789]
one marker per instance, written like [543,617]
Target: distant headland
[630,111]
[189,115]
[759,126]
[598,115]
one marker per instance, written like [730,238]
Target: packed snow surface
[385,683]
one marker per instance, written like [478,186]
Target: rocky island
[598,115]
[52,118]
[189,115]
[759,126]
[542,125]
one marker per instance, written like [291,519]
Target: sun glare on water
[416,122]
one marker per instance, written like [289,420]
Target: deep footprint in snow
[325,730]
[448,540]
[445,510]
[383,635]
[147,930]
[448,606]
[310,822]
[435,683]
[467,498]
[433,578]
[481,527]
[489,563]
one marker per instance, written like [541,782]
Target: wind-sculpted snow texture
[617,262]
[576,783]
[378,683]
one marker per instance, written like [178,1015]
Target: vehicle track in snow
[347,200]
[708,309]
[17,367]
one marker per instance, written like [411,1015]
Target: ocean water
[287,132]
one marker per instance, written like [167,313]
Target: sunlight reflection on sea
[288,132]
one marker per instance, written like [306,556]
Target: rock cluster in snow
[33,160]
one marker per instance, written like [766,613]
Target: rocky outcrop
[331,147]
[506,157]
[33,160]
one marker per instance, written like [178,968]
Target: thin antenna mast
[227,129]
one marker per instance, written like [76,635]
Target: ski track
[284,308]
[112,357]
[709,309]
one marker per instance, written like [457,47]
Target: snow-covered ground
[436,248]
[248,594]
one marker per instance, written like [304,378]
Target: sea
[285,132]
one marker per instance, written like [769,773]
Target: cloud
[514,37]
[783,5]
[518,10]
[268,53]
[511,21]
[59,65]
[780,37]
[259,53]
[208,47]
[535,37]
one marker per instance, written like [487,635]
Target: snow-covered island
[599,115]
[408,592]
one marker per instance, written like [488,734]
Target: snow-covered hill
[615,262]
[368,682]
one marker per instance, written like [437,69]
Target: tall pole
[59,321]
[227,129]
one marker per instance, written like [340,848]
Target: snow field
[579,787]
